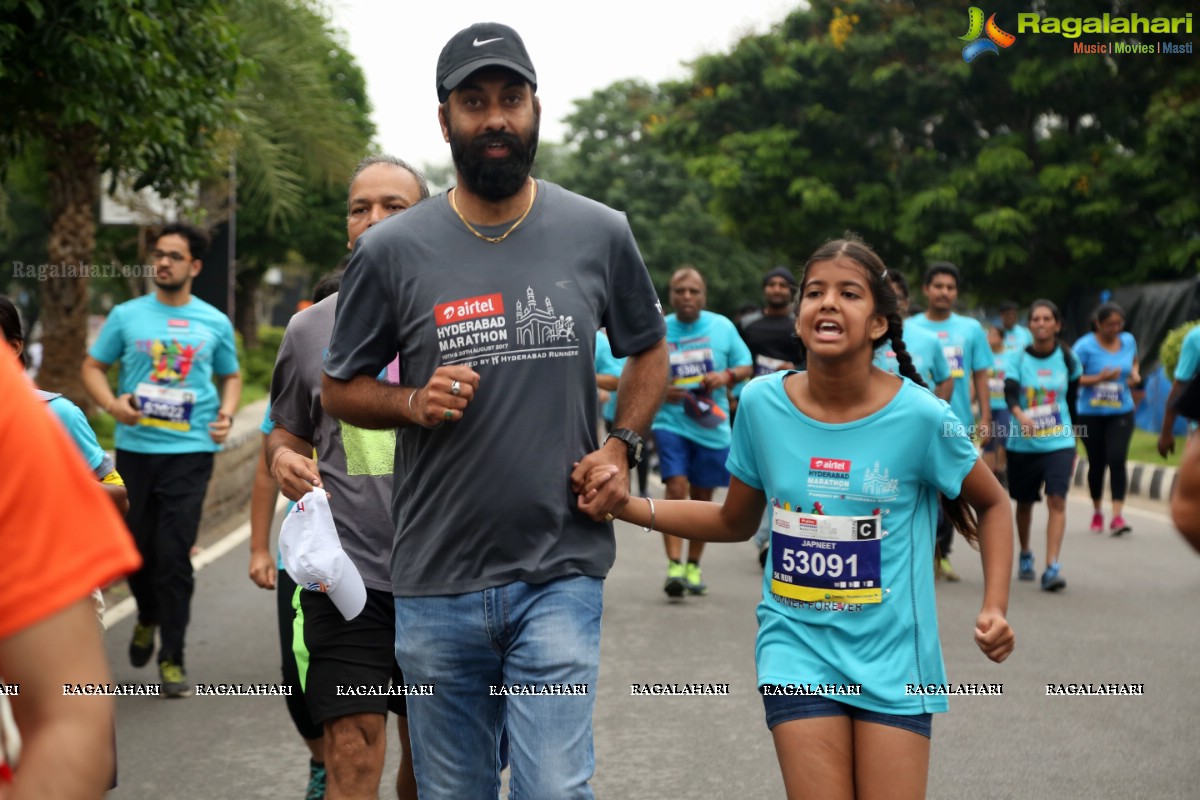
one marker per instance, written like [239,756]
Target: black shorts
[347,667]
[1028,471]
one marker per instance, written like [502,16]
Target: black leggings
[1107,445]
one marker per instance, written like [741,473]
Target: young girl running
[1041,387]
[851,460]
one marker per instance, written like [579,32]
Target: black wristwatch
[632,441]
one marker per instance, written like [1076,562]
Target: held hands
[124,409]
[446,397]
[601,481]
[993,635]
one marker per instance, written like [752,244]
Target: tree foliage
[1038,170]
[615,157]
[140,86]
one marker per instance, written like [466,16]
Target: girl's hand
[993,635]
[595,478]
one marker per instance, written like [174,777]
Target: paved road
[1128,616]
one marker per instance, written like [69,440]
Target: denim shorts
[703,466]
[787,708]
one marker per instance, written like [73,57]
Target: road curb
[1149,481]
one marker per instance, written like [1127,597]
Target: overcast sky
[576,48]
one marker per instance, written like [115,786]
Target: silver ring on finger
[455,388]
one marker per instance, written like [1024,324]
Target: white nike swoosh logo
[478,43]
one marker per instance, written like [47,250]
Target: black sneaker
[141,647]
[174,680]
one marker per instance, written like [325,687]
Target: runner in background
[267,572]
[923,347]
[692,429]
[1109,359]
[1040,387]
[1016,336]
[1185,500]
[965,346]
[995,451]
[608,377]
[770,333]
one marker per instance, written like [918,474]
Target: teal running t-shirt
[926,353]
[848,594]
[965,345]
[608,364]
[1043,395]
[168,356]
[709,344]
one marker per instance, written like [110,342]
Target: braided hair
[887,304]
[958,511]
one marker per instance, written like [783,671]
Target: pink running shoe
[1119,526]
[1098,523]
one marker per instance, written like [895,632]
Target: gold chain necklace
[503,236]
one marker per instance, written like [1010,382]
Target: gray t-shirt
[355,464]
[487,500]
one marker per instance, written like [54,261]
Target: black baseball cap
[484,44]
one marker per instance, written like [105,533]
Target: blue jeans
[471,646]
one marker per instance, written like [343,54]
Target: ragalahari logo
[996,38]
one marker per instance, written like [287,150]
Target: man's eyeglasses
[175,256]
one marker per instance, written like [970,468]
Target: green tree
[1037,170]
[614,155]
[305,123]
[140,86]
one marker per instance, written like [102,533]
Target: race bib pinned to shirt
[817,558]
[688,367]
[1047,420]
[163,407]
[765,365]
[954,357]
[1107,394]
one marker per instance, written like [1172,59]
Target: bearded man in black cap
[492,294]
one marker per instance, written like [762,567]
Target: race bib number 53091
[824,558]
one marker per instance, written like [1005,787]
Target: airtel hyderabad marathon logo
[996,38]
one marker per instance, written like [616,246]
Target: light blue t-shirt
[73,419]
[856,609]
[926,353]
[965,344]
[710,344]
[1043,397]
[1018,338]
[608,364]
[1107,398]
[168,357]
[996,380]
[1189,356]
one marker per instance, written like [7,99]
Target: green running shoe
[694,584]
[141,647]
[676,583]
[174,680]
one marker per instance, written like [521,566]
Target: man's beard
[495,179]
[169,287]
[777,302]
